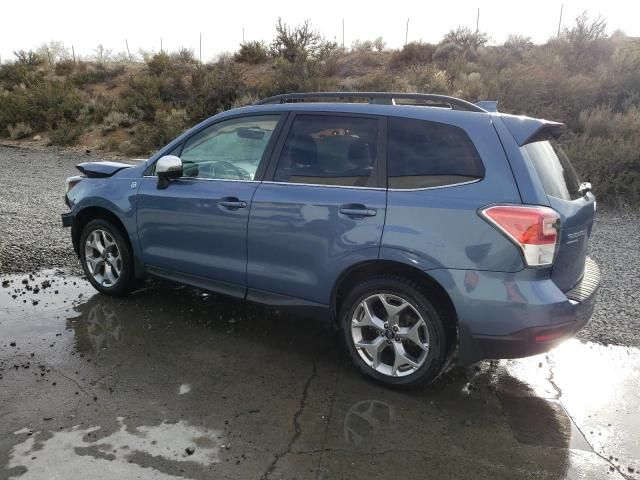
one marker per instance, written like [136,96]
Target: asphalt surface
[171,382]
[174,383]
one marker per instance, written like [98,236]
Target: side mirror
[168,168]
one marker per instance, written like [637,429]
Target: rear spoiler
[528,130]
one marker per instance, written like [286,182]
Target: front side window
[330,150]
[230,149]
[423,154]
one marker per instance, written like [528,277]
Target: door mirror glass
[168,168]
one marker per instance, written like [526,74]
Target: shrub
[607,153]
[184,56]
[115,120]
[298,76]
[28,58]
[86,73]
[300,42]
[414,53]
[64,133]
[428,79]
[252,53]
[362,46]
[65,67]
[19,130]
[43,105]
[166,126]
[160,63]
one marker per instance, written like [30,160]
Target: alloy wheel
[103,258]
[390,334]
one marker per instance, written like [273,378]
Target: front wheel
[394,334]
[106,258]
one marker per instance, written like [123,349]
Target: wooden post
[478,23]
[160,44]
[49,56]
[73,52]
[343,33]
[560,20]
[406,33]
[200,55]
[126,42]
[243,35]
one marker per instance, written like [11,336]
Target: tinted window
[559,178]
[428,154]
[229,149]
[330,150]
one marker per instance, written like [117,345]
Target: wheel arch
[87,214]
[365,270]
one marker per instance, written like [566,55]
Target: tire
[110,273]
[423,343]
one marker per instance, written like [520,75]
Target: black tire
[434,318]
[125,282]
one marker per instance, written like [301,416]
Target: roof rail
[385,98]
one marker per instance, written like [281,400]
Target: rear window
[330,150]
[424,154]
[559,178]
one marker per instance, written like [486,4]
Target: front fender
[115,195]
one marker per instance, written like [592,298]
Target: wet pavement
[174,383]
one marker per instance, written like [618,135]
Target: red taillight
[534,229]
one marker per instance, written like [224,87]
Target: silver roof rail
[385,98]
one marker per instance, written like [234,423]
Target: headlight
[71,182]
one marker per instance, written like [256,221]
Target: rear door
[321,209]
[576,208]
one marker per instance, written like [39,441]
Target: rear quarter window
[423,154]
[559,178]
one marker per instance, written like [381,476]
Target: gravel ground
[31,201]
[32,237]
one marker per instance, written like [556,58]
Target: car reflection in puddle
[257,392]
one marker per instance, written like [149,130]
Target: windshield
[559,178]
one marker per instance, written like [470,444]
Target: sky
[85,24]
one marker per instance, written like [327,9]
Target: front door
[196,228]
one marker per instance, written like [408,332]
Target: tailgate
[575,205]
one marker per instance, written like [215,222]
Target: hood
[105,169]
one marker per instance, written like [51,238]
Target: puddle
[89,453]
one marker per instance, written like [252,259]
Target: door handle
[357,210]
[232,203]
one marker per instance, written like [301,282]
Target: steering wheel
[222,168]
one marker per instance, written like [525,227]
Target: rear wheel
[106,258]
[394,334]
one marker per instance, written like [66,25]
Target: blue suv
[426,227]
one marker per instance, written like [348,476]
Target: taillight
[534,229]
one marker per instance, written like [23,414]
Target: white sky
[84,24]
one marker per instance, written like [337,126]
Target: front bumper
[519,314]
[67,219]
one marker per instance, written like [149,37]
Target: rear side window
[424,154]
[559,178]
[330,150]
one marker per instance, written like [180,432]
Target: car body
[253,203]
